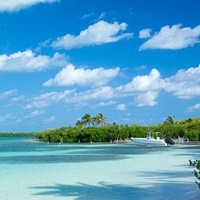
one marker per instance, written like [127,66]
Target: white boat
[149,140]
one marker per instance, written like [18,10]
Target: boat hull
[148,142]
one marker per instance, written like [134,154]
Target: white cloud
[18,120]
[102,104]
[42,45]
[50,119]
[121,107]
[35,113]
[70,96]
[142,67]
[27,61]
[101,16]
[185,84]
[95,94]
[96,34]
[20,98]
[9,116]
[193,108]
[70,76]
[16,5]
[146,99]
[152,81]
[173,37]
[8,93]
[47,99]
[145,33]
[88,15]
[37,104]
[144,91]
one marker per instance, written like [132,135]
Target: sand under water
[34,170]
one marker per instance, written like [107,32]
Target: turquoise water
[33,170]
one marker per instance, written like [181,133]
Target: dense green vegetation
[196,164]
[16,134]
[95,129]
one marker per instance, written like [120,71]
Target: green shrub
[196,172]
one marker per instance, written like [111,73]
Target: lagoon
[32,170]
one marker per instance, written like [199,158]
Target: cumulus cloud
[16,5]
[173,37]
[96,34]
[152,81]
[27,61]
[70,76]
[143,90]
[145,33]
[185,84]
[146,99]
[121,107]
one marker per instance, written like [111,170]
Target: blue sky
[133,61]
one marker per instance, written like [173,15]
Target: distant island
[17,134]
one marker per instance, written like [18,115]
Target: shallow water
[33,170]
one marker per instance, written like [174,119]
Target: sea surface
[31,170]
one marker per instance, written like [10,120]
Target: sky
[134,61]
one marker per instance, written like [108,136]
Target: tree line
[96,129]
[17,134]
